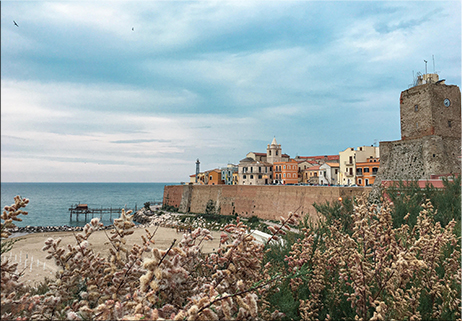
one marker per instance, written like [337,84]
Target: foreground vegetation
[360,263]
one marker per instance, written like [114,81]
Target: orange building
[286,172]
[214,177]
[367,171]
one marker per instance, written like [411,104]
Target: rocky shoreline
[144,218]
[43,229]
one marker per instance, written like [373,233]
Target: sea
[49,203]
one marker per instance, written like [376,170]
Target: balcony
[348,174]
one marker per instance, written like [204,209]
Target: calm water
[50,202]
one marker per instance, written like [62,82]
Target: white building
[328,174]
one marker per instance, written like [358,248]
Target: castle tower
[430,133]
[430,108]
[273,152]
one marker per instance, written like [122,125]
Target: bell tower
[273,152]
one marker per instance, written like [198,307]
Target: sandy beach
[28,250]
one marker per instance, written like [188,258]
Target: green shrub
[407,198]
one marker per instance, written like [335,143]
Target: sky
[137,91]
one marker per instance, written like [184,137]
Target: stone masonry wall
[267,202]
[419,158]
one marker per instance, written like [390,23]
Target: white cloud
[208,80]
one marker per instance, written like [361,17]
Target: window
[259,176]
[284,175]
[211,177]
[259,169]
[351,160]
[417,125]
[366,169]
[416,108]
[251,176]
[245,176]
[360,181]
[336,171]
[367,182]
[359,171]
[276,153]
[351,171]
[375,170]
[449,123]
[284,167]
[251,169]
[269,153]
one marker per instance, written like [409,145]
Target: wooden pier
[82,209]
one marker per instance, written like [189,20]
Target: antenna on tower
[425,66]
[433,58]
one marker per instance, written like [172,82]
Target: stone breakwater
[144,219]
[140,218]
[42,229]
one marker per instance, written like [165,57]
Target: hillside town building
[328,173]
[367,171]
[229,174]
[286,172]
[348,159]
[252,172]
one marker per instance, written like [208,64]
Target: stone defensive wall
[266,202]
[419,158]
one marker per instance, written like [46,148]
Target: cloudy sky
[137,91]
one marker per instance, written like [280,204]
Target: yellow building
[348,159]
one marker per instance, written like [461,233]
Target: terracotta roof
[329,157]
[315,167]
[333,164]
[259,154]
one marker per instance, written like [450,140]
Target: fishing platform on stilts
[82,209]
